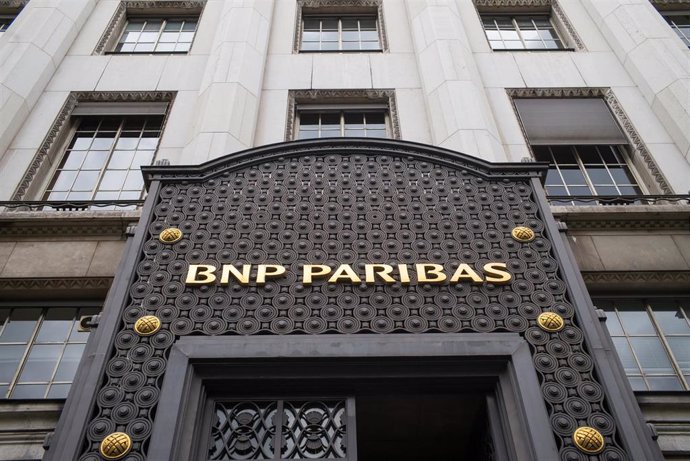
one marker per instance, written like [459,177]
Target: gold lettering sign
[206,274]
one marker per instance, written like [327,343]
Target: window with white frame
[157,35]
[40,349]
[652,338]
[340,33]
[680,23]
[585,146]
[105,152]
[521,32]
[366,122]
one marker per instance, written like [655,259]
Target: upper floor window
[680,23]
[362,113]
[157,35]
[586,148]
[340,33]
[40,349]
[103,158]
[368,123]
[521,32]
[152,27]
[339,26]
[5,21]
[652,338]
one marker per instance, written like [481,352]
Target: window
[521,32]
[152,27]
[344,123]
[321,113]
[103,158]
[587,170]
[5,21]
[652,338]
[585,146]
[157,35]
[340,33]
[40,349]
[680,23]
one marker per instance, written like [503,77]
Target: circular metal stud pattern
[523,234]
[550,321]
[116,445]
[588,440]
[170,235]
[147,325]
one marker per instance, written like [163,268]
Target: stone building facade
[94,89]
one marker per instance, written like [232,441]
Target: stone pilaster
[458,110]
[231,88]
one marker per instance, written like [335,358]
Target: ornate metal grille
[310,430]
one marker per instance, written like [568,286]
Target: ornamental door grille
[310,429]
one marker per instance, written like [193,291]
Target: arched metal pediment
[370,148]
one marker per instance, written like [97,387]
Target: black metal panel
[346,201]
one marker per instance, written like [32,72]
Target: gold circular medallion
[588,440]
[147,325]
[550,321]
[523,234]
[116,445]
[170,235]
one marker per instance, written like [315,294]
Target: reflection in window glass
[586,170]
[366,124]
[142,35]
[652,338]
[521,33]
[104,157]
[347,33]
[40,350]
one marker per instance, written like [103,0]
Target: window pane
[680,346]
[651,355]
[637,322]
[121,160]
[626,356]
[86,181]
[58,391]
[29,391]
[64,181]
[56,325]
[669,317]
[638,384]
[664,383]
[20,326]
[613,324]
[113,180]
[95,160]
[69,362]
[40,363]
[10,357]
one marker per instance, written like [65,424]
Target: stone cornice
[54,288]
[29,225]
[649,283]
[624,217]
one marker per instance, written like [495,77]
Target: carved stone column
[458,110]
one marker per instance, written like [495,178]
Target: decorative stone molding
[627,224]
[13,4]
[60,126]
[513,3]
[152,7]
[680,278]
[385,96]
[572,35]
[638,150]
[26,284]
[339,6]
